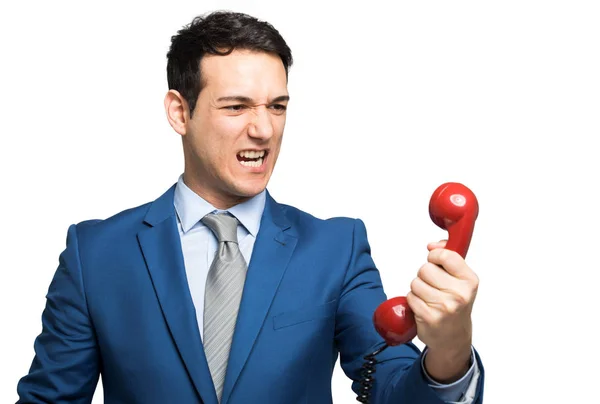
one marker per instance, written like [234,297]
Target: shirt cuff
[455,391]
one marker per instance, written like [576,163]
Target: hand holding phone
[452,207]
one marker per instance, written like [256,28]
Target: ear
[178,111]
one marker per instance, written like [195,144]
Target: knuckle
[472,283]
[449,306]
[444,254]
[431,256]
[460,300]
[424,270]
[475,281]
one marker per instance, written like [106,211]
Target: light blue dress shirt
[199,246]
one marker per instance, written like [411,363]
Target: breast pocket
[305,314]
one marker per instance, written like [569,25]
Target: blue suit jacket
[119,305]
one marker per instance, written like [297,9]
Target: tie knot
[222,225]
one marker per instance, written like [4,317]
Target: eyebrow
[248,100]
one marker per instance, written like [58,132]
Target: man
[216,293]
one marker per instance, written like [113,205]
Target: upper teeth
[252,154]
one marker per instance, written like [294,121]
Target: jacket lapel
[271,254]
[161,247]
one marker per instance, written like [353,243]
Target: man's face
[233,139]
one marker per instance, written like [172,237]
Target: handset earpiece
[454,207]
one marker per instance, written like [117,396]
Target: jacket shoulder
[305,220]
[123,222]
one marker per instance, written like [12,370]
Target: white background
[388,101]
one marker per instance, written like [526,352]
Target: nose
[261,126]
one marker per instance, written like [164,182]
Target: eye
[280,108]
[235,108]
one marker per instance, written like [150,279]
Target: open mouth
[252,158]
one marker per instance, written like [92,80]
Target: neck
[217,199]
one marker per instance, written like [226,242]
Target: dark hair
[217,33]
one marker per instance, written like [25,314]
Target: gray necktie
[224,286]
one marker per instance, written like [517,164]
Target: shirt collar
[191,207]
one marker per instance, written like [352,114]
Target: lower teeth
[256,163]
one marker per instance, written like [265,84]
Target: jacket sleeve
[65,368]
[399,377]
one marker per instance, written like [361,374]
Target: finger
[425,292]
[436,244]
[452,262]
[437,277]
[418,307]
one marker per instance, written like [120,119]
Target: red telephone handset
[452,207]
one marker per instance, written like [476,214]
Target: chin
[249,191]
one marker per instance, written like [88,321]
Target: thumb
[436,244]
